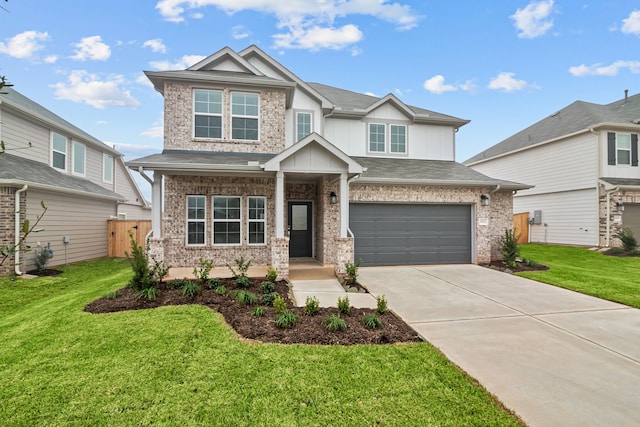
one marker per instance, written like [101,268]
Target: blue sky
[503,64]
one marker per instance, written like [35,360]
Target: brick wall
[7,224]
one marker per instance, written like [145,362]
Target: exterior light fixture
[484,200]
[620,206]
[333,199]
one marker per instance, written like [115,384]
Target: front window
[257,221]
[303,125]
[376,138]
[398,139]
[244,116]
[107,168]
[78,158]
[226,220]
[207,110]
[623,148]
[196,220]
[58,151]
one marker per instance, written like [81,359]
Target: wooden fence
[521,226]
[118,235]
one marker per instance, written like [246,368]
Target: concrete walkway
[556,357]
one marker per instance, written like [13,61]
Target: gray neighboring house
[82,181]
[261,164]
[583,163]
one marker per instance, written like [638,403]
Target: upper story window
[244,116]
[376,138]
[387,138]
[207,110]
[107,168]
[79,158]
[398,139]
[58,151]
[196,220]
[226,220]
[623,148]
[303,125]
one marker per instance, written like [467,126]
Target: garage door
[631,218]
[404,234]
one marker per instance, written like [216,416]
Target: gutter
[16,254]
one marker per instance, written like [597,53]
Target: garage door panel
[399,234]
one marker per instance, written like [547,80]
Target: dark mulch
[45,272]
[617,252]
[520,266]
[308,329]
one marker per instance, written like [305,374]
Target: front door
[300,230]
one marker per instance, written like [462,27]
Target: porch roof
[630,183]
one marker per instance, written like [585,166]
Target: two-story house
[583,162]
[261,164]
[82,182]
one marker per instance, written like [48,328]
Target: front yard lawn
[182,365]
[590,272]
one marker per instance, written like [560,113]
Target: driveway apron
[556,357]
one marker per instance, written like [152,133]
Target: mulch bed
[520,266]
[307,330]
[619,253]
[45,272]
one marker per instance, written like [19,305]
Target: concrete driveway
[556,357]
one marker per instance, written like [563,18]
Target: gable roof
[577,117]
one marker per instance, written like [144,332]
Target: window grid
[58,151]
[196,220]
[79,158]
[226,220]
[623,148]
[303,125]
[244,116]
[207,108]
[256,220]
[398,139]
[376,138]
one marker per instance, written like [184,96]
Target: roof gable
[225,60]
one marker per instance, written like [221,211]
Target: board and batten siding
[84,220]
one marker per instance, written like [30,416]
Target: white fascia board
[440,183]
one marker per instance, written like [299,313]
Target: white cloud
[183,63]
[534,20]
[92,48]
[436,85]
[631,25]
[605,70]
[143,80]
[507,82]
[82,87]
[50,59]
[156,45]
[156,131]
[316,38]
[25,44]
[239,32]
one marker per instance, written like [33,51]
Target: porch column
[156,205]
[279,204]
[344,204]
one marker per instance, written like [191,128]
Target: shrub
[214,283]
[143,277]
[111,295]
[190,288]
[149,293]
[242,265]
[629,241]
[272,274]
[247,298]
[202,272]
[343,305]
[243,281]
[42,256]
[286,319]
[258,312]
[159,269]
[267,287]
[529,262]
[220,290]
[371,321]
[352,271]
[335,323]
[311,306]
[509,247]
[177,283]
[268,298]
[279,304]
[381,304]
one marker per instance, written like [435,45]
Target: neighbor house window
[207,110]
[58,151]
[257,221]
[376,138]
[623,148]
[226,220]
[398,139]
[107,168]
[244,116]
[196,220]
[303,125]
[79,159]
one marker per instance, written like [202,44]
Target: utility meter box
[537,217]
[65,240]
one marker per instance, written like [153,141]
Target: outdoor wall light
[484,200]
[333,199]
[620,206]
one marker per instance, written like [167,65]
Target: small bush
[352,271]
[177,283]
[509,247]
[258,312]
[268,298]
[279,304]
[149,294]
[220,290]
[272,274]
[343,305]
[241,265]
[214,283]
[143,277]
[529,262]
[42,256]
[311,306]
[267,287]
[247,298]
[335,323]
[202,272]
[371,321]
[159,270]
[243,281]
[112,295]
[381,304]
[190,288]
[286,319]
[628,240]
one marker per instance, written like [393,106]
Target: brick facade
[7,224]
[622,196]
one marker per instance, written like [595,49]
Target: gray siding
[18,132]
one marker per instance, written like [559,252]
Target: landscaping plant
[352,271]
[268,298]
[245,297]
[202,272]
[279,304]
[258,312]
[286,319]
[509,247]
[371,321]
[381,304]
[312,304]
[343,305]
[335,323]
[190,288]
[267,287]
[628,240]
[42,256]
[272,274]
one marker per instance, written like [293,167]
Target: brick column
[343,253]
[280,256]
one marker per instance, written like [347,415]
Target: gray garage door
[403,234]
[631,218]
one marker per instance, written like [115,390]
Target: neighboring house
[260,164]
[583,162]
[81,180]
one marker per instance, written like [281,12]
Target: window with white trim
[107,168]
[227,226]
[303,125]
[623,148]
[377,138]
[398,139]
[207,113]
[58,151]
[196,220]
[244,116]
[387,138]
[79,158]
[257,221]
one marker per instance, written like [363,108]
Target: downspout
[16,254]
[607,236]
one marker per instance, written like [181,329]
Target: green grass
[589,272]
[183,366]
